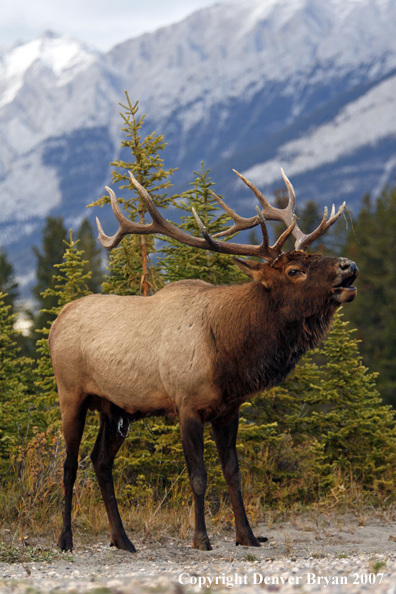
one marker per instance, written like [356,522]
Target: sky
[99,23]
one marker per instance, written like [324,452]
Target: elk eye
[294,272]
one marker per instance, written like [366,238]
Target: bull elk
[193,349]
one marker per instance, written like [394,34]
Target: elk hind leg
[73,422]
[225,438]
[191,429]
[112,432]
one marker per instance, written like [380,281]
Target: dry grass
[28,514]
[31,504]
[288,544]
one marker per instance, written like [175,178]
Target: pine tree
[16,391]
[132,273]
[54,234]
[10,288]
[69,284]
[8,284]
[131,270]
[93,254]
[331,425]
[357,432]
[125,268]
[182,261]
[371,243]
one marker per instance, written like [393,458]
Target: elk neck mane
[255,346]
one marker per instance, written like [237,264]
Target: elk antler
[161,225]
[285,215]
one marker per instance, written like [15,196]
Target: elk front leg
[225,437]
[112,432]
[191,430]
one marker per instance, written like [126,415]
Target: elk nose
[347,265]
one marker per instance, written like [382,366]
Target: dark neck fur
[254,347]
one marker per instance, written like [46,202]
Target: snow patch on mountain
[63,56]
[30,190]
[363,122]
[235,49]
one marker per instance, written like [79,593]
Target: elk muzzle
[343,289]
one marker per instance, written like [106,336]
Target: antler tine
[126,226]
[292,197]
[297,233]
[271,213]
[105,240]
[240,223]
[285,235]
[287,215]
[265,245]
[302,240]
[325,224]
[204,231]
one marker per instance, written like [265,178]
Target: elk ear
[252,269]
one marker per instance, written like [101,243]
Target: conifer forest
[327,433]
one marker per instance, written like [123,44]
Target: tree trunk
[144,281]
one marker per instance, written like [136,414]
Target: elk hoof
[203,545]
[124,544]
[65,541]
[248,541]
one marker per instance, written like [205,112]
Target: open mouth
[345,290]
[346,284]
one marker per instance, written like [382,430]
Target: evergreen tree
[68,285]
[131,270]
[371,244]
[9,287]
[131,273]
[182,261]
[8,284]
[330,417]
[125,268]
[16,391]
[358,432]
[93,254]
[54,235]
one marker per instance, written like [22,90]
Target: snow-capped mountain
[251,84]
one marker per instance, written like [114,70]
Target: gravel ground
[311,554]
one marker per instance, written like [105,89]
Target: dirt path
[308,554]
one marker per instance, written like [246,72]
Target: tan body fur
[141,362]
